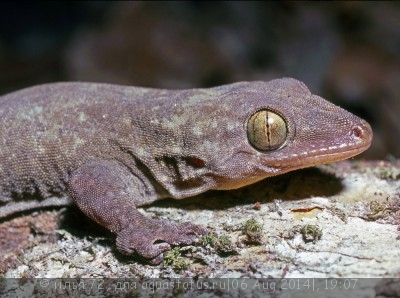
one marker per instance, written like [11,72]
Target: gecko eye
[266,130]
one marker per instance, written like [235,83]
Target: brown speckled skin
[111,148]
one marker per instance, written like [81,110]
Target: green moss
[389,173]
[390,209]
[253,230]
[339,213]
[174,259]
[311,233]
[222,244]
[209,239]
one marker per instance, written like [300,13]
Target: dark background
[347,52]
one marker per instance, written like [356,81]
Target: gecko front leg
[105,191]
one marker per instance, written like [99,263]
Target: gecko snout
[362,132]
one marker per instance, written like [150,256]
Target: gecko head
[282,127]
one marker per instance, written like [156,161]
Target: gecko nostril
[357,131]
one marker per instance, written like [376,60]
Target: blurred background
[346,52]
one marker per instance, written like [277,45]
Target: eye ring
[267,130]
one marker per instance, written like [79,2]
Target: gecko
[110,149]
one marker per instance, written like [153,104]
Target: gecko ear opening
[267,130]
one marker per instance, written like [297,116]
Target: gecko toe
[183,233]
[156,238]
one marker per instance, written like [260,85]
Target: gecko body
[110,148]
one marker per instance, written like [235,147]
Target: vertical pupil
[268,130]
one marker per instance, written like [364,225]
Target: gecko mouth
[361,137]
[335,156]
[317,158]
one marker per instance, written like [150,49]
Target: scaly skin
[110,148]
